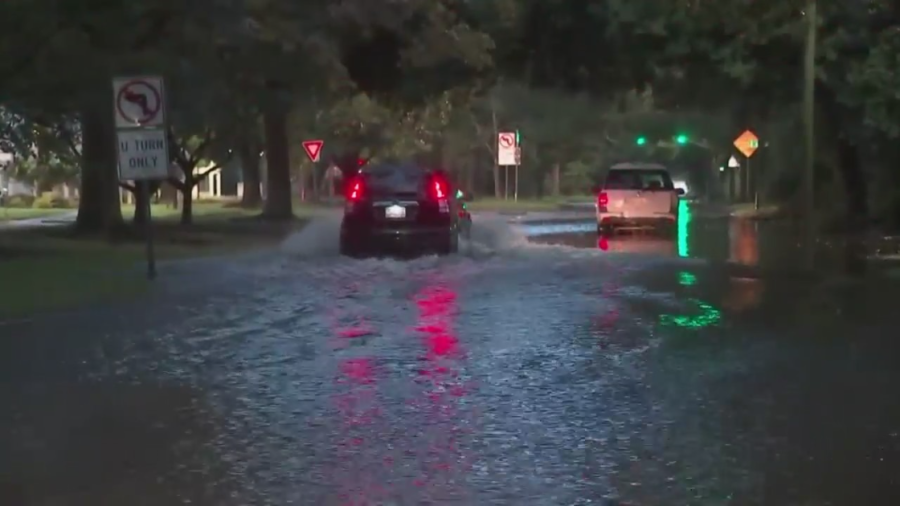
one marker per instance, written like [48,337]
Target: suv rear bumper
[390,238]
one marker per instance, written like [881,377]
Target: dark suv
[396,207]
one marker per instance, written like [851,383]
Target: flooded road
[539,367]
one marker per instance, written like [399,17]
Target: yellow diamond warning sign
[747,143]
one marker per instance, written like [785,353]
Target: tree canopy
[580,79]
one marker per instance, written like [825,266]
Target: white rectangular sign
[139,102]
[506,148]
[143,154]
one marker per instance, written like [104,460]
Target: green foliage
[577,178]
[49,200]
[585,83]
[19,201]
[44,170]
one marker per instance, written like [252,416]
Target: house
[222,183]
[225,182]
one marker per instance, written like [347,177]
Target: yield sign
[313,149]
[747,143]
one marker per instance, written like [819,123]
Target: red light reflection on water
[606,321]
[445,423]
[358,412]
[603,243]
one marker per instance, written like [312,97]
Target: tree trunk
[99,209]
[498,194]
[249,155]
[854,183]
[187,201]
[556,179]
[849,162]
[168,194]
[278,205]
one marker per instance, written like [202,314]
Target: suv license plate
[395,212]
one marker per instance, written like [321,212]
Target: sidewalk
[46,221]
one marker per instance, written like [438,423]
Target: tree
[752,49]
[44,172]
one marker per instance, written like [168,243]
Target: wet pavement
[542,366]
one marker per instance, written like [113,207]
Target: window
[638,180]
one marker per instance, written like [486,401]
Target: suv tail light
[355,190]
[438,189]
[602,200]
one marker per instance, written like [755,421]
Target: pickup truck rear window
[638,180]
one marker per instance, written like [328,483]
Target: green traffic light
[681,139]
[518,138]
[641,141]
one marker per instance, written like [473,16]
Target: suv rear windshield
[391,178]
[638,179]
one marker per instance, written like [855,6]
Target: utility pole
[809,97]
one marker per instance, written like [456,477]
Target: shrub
[51,201]
[18,201]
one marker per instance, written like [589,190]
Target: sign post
[747,143]
[518,162]
[506,156]
[142,142]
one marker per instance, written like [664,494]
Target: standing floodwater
[514,373]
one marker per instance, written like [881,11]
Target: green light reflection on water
[686,278]
[684,229]
[708,315]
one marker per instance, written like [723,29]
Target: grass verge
[25,213]
[52,268]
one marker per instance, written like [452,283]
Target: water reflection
[359,411]
[636,244]
[684,228]
[702,313]
[359,415]
[743,241]
[686,278]
[446,463]
[744,292]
